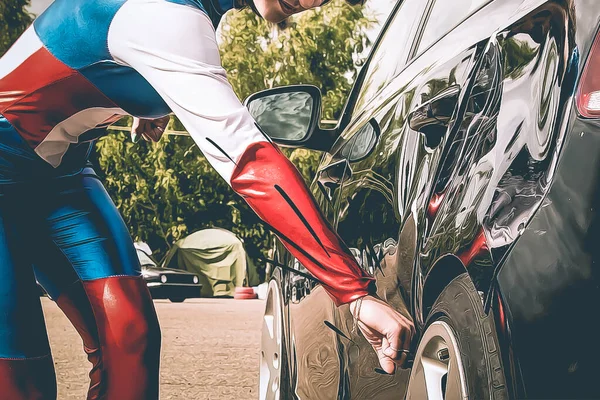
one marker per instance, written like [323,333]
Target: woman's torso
[59,83]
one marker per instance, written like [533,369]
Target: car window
[445,15]
[391,55]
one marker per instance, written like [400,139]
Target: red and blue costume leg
[99,287]
[26,366]
[69,232]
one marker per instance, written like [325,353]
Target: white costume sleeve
[185,69]
[174,48]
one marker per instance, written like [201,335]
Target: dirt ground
[210,350]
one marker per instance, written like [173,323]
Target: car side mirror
[289,115]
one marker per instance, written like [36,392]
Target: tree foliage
[14,19]
[168,190]
[319,47]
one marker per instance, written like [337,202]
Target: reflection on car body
[474,207]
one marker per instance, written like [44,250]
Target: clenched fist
[149,129]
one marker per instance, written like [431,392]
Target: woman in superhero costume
[81,66]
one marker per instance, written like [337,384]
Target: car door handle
[432,118]
[334,174]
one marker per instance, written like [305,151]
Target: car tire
[460,348]
[177,299]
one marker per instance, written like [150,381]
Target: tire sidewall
[460,306]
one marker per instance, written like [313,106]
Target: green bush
[14,19]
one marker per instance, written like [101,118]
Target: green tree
[168,190]
[14,19]
[319,47]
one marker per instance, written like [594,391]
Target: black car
[166,283]
[464,175]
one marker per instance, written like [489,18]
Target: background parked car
[166,283]
[464,175]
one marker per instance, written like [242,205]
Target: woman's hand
[149,129]
[388,331]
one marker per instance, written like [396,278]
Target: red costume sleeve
[274,189]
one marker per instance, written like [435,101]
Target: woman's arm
[174,48]
[185,70]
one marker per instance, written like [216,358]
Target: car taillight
[588,95]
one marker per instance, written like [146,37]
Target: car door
[376,216]
[497,164]
[508,146]
[469,189]
[318,363]
[313,347]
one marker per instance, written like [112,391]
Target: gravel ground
[210,350]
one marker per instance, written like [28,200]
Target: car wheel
[177,299]
[273,359]
[458,356]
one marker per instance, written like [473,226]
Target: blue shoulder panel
[76,31]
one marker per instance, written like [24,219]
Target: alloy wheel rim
[437,372]
[271,346]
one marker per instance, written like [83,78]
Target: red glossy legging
[69,232]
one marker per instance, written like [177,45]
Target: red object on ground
[244,293]
[242,289]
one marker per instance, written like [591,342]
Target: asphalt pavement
[210,350]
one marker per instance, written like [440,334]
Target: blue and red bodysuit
[81,66]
